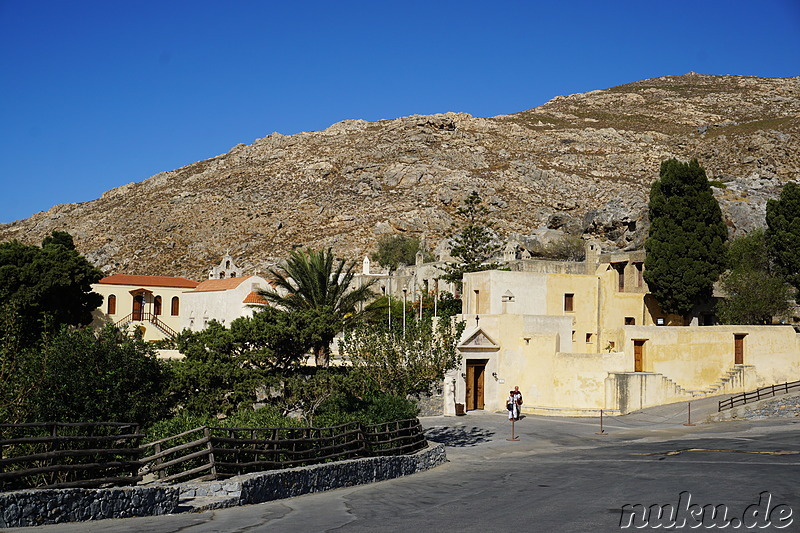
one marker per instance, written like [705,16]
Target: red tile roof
[254,298]
[152,281]
[223,284]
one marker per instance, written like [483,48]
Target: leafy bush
[401,362]
[373,409]
[176,425]
[396,250]
[566,248]
[80,376]
[267,416]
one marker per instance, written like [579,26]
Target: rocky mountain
[581,163]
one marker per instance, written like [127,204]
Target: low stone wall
[263,487]
[52,506]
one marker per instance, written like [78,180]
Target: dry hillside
[583,163]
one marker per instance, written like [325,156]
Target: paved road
[559,476]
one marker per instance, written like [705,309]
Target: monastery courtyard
[559,476]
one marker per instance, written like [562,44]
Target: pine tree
[475,245]
[686,244]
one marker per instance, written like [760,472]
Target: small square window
[588,337]
[630,321]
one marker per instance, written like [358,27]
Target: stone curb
[53,506]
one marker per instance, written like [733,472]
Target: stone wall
[52,506]
[263,487]
[432,405]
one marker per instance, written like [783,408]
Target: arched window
[112,304]
[227,265]
[176,306]
[157,305]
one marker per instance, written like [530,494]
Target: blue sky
[96,94]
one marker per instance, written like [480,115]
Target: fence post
[54,446]
[207,434]
[362,436]
[237,454]
[157,462]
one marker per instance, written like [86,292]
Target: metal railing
[147,317]
[758,394]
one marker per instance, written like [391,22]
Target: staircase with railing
[141,316]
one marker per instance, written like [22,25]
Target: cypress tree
[783,234]
[686,244]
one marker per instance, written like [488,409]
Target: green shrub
[176,425]
[370,410]
[263,417]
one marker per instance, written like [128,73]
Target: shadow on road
[458,437]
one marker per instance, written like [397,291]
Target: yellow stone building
[151,305]
[578,337]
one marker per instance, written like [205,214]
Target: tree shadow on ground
[458,437]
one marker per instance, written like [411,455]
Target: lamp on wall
[494,375]
[463,375]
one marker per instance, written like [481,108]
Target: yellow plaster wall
[524,359]
[577,380]
[585,306]
[616,305]
[125,307]
[528,290]
[697,356]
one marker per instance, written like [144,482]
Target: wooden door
[138,307]
[475,373]
[738,349]
[638,356]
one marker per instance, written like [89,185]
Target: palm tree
[319,283]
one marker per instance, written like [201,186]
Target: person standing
[511,405]
[517,396]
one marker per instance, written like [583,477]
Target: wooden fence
[59,455]
[758,394]
[208,453]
